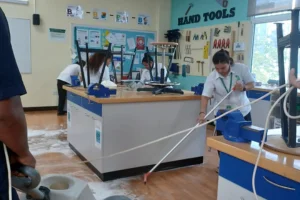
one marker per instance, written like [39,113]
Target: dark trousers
[62,96]
[247,118]
[4,178]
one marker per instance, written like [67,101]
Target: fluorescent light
[16,1]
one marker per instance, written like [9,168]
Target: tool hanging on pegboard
[174,36]
[227,29]
[188,49]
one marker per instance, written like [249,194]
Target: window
[264,54]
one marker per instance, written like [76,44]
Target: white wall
[49,58]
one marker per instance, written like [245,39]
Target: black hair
[147,58]
[83,63]
[222,56]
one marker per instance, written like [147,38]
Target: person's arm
[293,80]
[13,130]
[206,95]
[248,80]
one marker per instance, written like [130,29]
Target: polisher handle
[30,180]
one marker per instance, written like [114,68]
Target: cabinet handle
[280,186]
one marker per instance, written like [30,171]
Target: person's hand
[293,80]
[201,118]
[26,160]
[239,87]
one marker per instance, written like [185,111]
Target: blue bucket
[75,81]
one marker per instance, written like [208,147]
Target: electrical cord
[8,172]
[286,95]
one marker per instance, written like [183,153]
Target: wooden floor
[48,142]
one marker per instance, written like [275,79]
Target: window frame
[269,18]
[24,2]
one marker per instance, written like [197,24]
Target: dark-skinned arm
[13,130]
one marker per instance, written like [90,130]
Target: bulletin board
[99,38]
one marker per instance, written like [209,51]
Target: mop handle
[187,134]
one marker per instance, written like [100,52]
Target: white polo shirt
[145,76]
[214,87]
[95,77]
[70,70]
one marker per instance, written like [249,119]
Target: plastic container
[75,81]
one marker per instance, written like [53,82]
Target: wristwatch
[244,89]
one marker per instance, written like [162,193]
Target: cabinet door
[73,122]
[260,112]
[210,106]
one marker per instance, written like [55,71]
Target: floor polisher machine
[53,187]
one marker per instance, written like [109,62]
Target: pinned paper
[95,40]
[58,35]
[131,43]
[120,38]
[122,17]
[100,14]
[140,43]
[117,38]
[239,46]
[82,37]
[143,20]
[75,11]
[137,59]
[150,46]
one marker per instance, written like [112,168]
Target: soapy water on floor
[112,188]
[55,141]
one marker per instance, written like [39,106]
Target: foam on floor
[55,141]
[120,187]
[49,141]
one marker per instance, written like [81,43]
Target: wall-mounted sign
[223,3]
[208,16]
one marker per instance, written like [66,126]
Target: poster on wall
[99,14]
[82,37]
[150,46]
[98,134]
[57,35]
[140,43]
[75,12]
[131,43]
[122,17]
[144,20]
[116,38]
[94,38]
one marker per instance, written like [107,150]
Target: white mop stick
[146,175]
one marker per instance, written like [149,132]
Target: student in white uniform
[145,76]
[226,76]
[96,63]
[64,78]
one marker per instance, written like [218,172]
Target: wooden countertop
[126,96]
[285,165]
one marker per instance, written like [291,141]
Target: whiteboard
[21,43]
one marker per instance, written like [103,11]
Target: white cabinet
[230,191]
[260,112]
[210,106]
